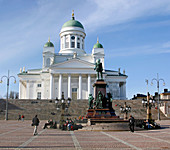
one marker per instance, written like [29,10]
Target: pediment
[73,63]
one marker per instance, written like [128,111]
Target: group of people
[21,117]
[147,124]
[36,121]
[69,124]
[150,125]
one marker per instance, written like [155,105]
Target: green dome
[98,45]
[49,44]
[73,23]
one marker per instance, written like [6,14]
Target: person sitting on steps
[49,123]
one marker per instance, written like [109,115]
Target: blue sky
[135,36]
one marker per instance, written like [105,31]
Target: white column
[61,39]
[64,42]
[76,41]
[124,90]
[28,88]
[118,87]
[89,84]
[69,86]
[80,86]
[43,90]
[20,89]
[69,37]
[81,43]
[104,76]
[51,86]
[43,61]
[121,90]
[60,86]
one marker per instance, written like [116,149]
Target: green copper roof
[49,44]
[98,45]
[73,23]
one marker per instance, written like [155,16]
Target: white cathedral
[71,70]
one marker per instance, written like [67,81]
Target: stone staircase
[137,109]
[46,109]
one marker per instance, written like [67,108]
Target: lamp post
[63,105]
[125,110]
[149,103]
[7,77]
[157,80]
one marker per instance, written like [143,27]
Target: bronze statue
[99,69]
[90,101]
[99,100]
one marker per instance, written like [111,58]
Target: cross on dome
[73,14]
[98,45]
[97,39]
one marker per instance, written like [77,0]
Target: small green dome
[98,45]
[49,44]
[73,23]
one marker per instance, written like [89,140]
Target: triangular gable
[73,63]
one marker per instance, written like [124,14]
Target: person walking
[22,117]
[19,117]
[131,123]
[35,123]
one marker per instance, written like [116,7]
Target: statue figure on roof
[99,69]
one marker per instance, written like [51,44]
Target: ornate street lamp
[7,77]
[126,109]
[62,105]
[149,103]
[157,80]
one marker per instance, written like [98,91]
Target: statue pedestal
[102,116]
[99,85]
[101,113]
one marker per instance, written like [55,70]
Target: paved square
[19,135]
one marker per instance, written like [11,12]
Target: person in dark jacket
[131,123]
[19,117]
[35,123]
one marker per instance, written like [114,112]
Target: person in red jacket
[22,117]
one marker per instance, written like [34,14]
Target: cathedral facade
[71,70]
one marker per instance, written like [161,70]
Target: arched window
[48,62]
[73,37]
[72,41]
[78,42]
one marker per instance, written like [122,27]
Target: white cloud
[112,12]
[166,45]
[139,50]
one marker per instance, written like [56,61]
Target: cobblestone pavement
[19,135]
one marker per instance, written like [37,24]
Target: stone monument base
[105,120]
[109,125]
[101,114]
[106,125]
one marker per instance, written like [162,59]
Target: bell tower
[72,37]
